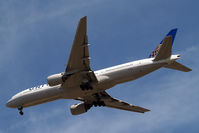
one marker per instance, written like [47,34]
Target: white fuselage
[107,78]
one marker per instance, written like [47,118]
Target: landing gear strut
[20,108]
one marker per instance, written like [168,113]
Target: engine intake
[80,108]
[56,79]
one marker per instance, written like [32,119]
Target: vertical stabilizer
[168,40]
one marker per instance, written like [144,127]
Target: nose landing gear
[20,108]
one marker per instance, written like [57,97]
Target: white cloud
[14,22]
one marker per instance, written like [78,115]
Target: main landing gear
[99,103]
[86,86]
[20,108]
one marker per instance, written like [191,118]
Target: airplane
[80,82]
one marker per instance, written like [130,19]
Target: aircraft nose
[10,103]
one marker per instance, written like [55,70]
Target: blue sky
[36,38]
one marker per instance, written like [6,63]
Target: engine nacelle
[79,108]
[55,79]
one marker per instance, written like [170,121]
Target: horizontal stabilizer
[177,66]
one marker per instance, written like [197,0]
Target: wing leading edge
[78,66]
[79,56]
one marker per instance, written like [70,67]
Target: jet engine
[80,108]
[56,79]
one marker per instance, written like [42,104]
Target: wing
[113,103]
[79,56]
[118,104]
[79,61]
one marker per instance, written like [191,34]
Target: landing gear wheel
[21,113]
[95,104]
[20,108]
[86,86]
[99,103]
[102,103]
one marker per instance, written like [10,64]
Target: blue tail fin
[171,33]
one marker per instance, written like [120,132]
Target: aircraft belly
[75,92]
[40,96]
[133,73]
[40,101]
[72,92]
[104,82]
[139,74]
